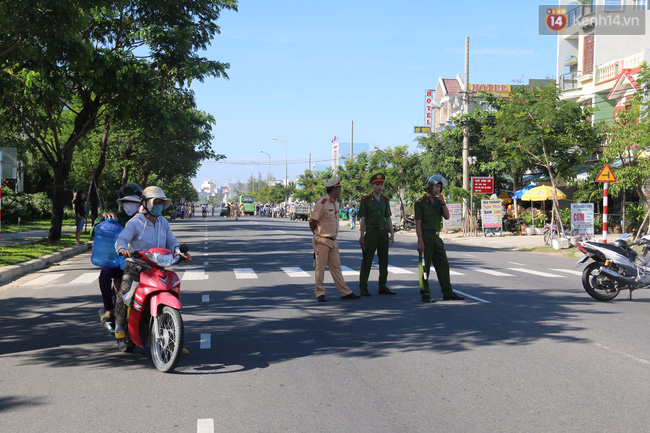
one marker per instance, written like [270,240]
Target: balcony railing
[609,70]
[568,81]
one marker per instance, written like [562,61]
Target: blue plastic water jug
[104,254]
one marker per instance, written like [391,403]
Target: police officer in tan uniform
[324,223]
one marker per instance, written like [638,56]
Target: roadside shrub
[29,207]
[634,215]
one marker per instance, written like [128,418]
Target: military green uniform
[434,249]
[377,214]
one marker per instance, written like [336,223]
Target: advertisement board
[582,219]
[482,185]
[491,214]
[455,221]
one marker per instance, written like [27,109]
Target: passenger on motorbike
[148,229]
[129,204]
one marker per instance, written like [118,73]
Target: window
[573,12]
[613,5]
[639,5]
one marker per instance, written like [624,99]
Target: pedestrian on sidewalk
[375,234]
[429,211]
[79,207]
[324,223]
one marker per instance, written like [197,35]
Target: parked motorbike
[153,315]
[408,224]
[615,267]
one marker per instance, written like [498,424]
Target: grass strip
[14,254]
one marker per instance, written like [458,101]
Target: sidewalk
[10,273]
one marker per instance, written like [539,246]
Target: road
[527,351]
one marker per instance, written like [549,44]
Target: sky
[303,70]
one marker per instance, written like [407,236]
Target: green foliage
[29,207]
[634,215]
[565,216]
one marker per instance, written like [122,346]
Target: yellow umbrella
[542,193]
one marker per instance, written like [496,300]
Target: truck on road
[299,210]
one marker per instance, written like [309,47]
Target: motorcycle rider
[429,211]
[129,204]
[146,230]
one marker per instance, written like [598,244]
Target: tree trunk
[101,163]
[61,172]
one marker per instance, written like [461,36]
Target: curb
[10,273]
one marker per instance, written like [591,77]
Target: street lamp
[261,151]
[286,163]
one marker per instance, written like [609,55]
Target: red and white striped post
[605,186]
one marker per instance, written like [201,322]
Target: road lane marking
[538,273]
[627,355]
[568,271]
[518,264]
[488,271]
[473,297]
[205,298]
[85,278]
[348,271]
[195,274]
[206,341]
[295,272]
[244,273]
[44,279]
[205,425]
[396,270]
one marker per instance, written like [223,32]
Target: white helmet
[151,193]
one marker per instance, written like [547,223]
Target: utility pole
[466,186]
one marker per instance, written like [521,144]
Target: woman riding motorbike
[129,204]
[146,230]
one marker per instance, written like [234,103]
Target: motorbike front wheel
[598,286]
[166,349]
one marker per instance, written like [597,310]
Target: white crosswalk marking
[348,271]
[85,278]
[295,272]
[244,273]
[206,341]
[205,425]
[568,271]
[44,279]
[395,270]
[195,274]
[538,273]
[488,271]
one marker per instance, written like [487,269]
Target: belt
[328,237]
[435,232]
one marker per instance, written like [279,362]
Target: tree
[58,85]
[557,135]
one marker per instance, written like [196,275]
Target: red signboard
[483,185]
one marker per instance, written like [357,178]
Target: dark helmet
[431,180]
[131,192]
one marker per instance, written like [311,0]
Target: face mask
[130,208]
[156,210]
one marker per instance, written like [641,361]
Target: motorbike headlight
[163,260]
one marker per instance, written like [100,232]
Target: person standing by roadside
[353,217]
[324,223]
[79,206]
[429,211]
[376,234]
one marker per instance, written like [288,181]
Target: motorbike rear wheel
[166,351]
[598,286]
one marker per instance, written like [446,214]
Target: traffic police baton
[425,273]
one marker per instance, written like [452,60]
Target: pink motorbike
[154,316]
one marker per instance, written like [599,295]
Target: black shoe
[453,297]
[321,298]
[365,292]
[386,291]
[350,296]
[427,299]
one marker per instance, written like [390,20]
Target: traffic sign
[482,185]
[606,175]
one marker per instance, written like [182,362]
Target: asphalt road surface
[528,350]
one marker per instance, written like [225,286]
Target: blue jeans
[79,223]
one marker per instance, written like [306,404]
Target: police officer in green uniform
[376,234]
[429,211]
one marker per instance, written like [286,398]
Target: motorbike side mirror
[183,248]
